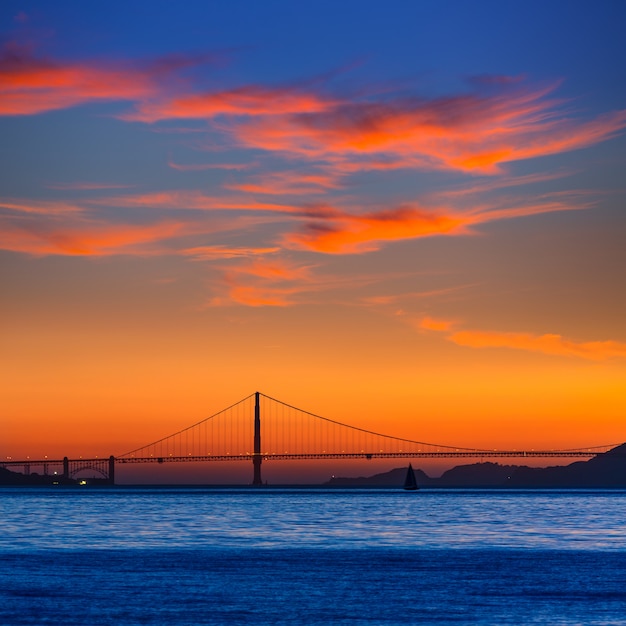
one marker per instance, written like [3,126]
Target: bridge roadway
[361,455]
[106,466]
[447,454]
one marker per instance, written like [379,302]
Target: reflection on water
[182,518]
[195,556]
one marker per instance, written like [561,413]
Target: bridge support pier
[66,467]
[111,470]
[256,459]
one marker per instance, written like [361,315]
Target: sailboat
[410,484]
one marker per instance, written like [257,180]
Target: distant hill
[604,470]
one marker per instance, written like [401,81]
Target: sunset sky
[406,216]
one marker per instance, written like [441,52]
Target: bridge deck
[447,454]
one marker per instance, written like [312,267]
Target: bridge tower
[256,458]
[111,470]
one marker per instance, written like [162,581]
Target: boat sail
[410,484]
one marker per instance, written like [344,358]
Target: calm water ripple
[201,556]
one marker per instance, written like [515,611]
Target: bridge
[260,429]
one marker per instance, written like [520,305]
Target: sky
[404,216]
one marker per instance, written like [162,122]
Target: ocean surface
[311,556]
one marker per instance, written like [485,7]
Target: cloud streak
[476,132]
[554,345]
[85,239]
[333,231]
[30,85]
[249,100]
[549,344]
[262,282]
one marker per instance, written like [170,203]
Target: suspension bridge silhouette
[260,428]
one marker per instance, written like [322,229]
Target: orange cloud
[426,323]
[354,234]
[250,100]
[545,344]
[258,296]
[288,183]
[554,345]
[264,283]
[332,231]
[498,122]
[437,325]
[31,85]
[473,133]
[195,200]
[85,240]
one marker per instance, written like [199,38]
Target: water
[265,556]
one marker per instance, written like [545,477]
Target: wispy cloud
[502,183]
[34,85]
[86,186]
[40,207]
[288,183]
[218,252]
[262,282]
[549,344]
[200,167]
[193,200]
[84,239]
[545,344]
[334,231]
[249,100]
[475,132]
[438,325]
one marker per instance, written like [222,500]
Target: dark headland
[606,470]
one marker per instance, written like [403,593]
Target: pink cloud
[287,183]
[250,100]
[88,239]
[194,200]
[263,282]
[473,133]
[39,207]
[500,120]
[31,85]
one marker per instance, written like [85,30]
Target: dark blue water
[177,556]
